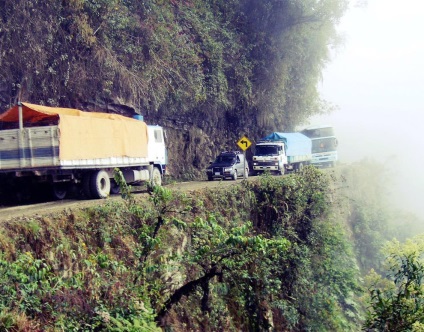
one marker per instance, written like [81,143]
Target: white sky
[377,81]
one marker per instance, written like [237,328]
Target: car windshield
[225,159]
[266,150]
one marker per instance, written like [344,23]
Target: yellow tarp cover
[87,135]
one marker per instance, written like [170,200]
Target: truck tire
[156,177]
[85,185]
[300,167]
[114,188]
[100,184]
[59,191]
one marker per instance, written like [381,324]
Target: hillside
[282,253]
[208,71]
[251,257]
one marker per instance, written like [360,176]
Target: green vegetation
[256,256]
[278,254]
[396,301]
[368,201]
[208,70]
[387,250]
[281,253]
[213,56]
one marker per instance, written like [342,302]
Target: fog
[377,81]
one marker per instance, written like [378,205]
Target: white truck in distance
[282,152]
[324,145]
[70,150]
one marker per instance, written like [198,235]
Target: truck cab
[270,156]
[324,145]
[280,152]
[157,152]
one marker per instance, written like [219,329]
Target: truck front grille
[267,163]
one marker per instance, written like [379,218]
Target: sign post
[244,143]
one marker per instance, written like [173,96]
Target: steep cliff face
[259,255]
[208,71]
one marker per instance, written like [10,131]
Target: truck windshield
[324,144]
[318,132]
[266,150]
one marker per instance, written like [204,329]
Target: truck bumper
[265,168]
[324,164]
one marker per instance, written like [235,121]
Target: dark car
[229,164]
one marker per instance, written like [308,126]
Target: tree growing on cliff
[218,254]
[396,301]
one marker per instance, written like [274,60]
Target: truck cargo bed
[30,147]
[39,147]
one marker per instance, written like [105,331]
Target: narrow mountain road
[53,207]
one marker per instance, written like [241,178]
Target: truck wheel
[156,177]
[59,191]
[85,185]
[300,167]
[210,178]
[114,188]
[235,175]
[100,184]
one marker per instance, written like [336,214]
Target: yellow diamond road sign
[244,143]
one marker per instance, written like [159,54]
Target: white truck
[324,145]
[282,152]
[67,149]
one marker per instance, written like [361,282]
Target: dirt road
[48,208]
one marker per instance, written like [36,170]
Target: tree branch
[186,290]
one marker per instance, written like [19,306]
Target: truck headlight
[228,169]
